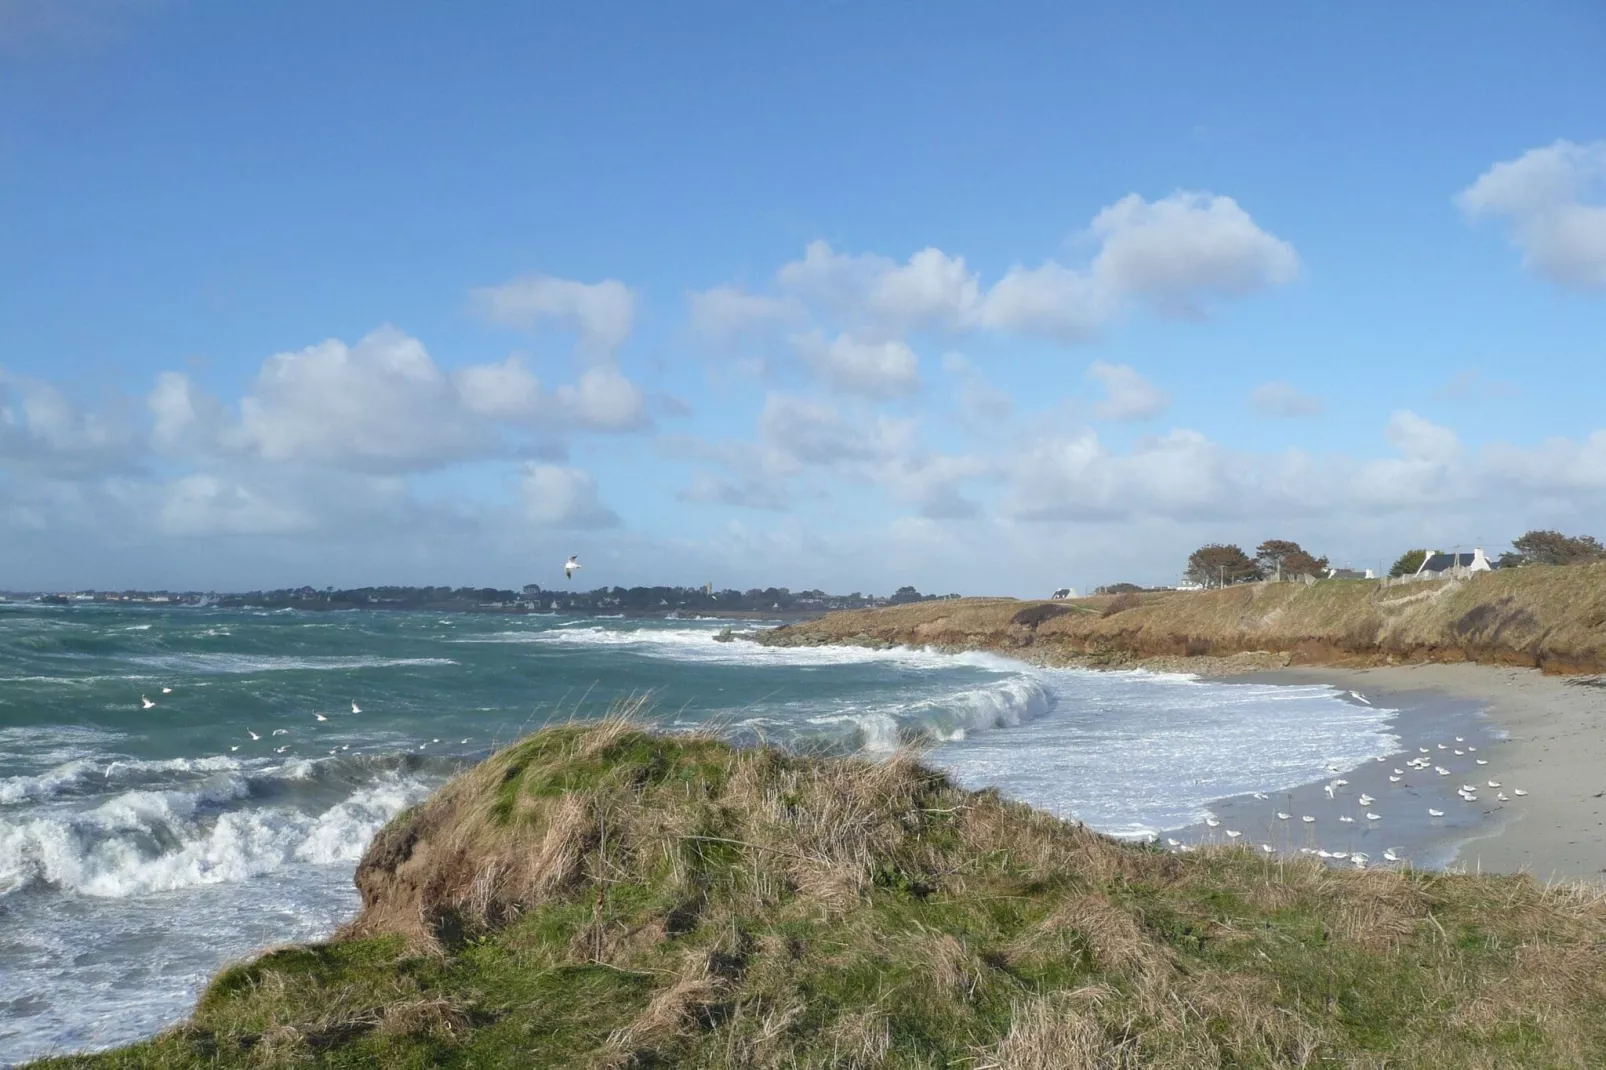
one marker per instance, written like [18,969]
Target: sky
[983,298]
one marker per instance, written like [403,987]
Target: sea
[182,787]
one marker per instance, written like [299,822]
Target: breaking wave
[141,842]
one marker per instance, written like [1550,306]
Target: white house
[1439,563]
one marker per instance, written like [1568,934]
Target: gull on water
[167,690]
[1394,780]
[1481,761]
[1212,821]
[570,565]
[1435,813]
[1281,816]
[1458,739]
[1373,817]
[1259,795]
[1347,820]
[1494,783]
[1365,799]
[1268,848]
[1501,796]
[1518,791]
[1306,818]
[1172,843]
[1232,834]
[1390,855]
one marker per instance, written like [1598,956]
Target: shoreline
[1554,746]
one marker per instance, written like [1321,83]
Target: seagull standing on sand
[570,565]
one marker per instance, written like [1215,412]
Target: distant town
[532,598]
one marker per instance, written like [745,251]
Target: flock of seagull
[1427,760]
[145,703]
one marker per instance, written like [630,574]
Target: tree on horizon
[1221,564]
[1283,557]
[1551,548]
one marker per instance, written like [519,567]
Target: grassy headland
[1550,617]
[604,897]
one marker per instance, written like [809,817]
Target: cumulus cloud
[602,313]
[384,405]
[1181,250]
[1278,398]
[558,496]
[1127,394]
[43,432]
[880,369]
[1176,255]
[725,313]
[980,403]
[1550,198]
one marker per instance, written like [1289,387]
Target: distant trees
[1551,548]
[1221,564]
[1408,563]
[1118,588]
[1281,557]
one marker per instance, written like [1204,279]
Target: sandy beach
[1554,747]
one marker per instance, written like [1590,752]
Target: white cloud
[1278,398]
[883,369]
[381,404]
[43,432]
[1180,250]
[1176,254]
[724,313]
[1542,194]
[602,400]
[384,405]
[1128,395]
[203,504]
[557,496]
[602,313]
[980,404]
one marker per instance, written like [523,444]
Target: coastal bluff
[1547,617]
[600,895]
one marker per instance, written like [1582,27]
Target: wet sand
[1554,747]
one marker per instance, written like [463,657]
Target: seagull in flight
[320,717]
[145,703]
[252,734]
[570,565]
[354,707]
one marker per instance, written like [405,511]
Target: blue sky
[986,298]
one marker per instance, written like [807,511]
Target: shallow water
[141,848]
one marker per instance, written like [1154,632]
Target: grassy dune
[1550,617]
[604,897]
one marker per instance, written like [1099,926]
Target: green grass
[605,897]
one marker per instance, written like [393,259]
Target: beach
[1553,745]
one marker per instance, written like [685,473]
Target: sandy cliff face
[1549,618]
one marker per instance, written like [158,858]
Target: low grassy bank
[1552,618]
[604,897]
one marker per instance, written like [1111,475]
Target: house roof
[1440,562]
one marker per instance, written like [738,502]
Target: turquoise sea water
[141,847]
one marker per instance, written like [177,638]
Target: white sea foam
[251,663]
[142,842]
